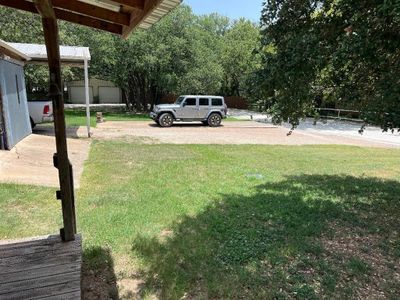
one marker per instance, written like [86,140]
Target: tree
[345,52]
[239,57]
[181,54]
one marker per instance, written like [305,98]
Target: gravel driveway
[232,132]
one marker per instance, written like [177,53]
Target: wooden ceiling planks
[66,16]
[93,11]
[116,16]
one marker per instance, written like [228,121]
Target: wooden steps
[40,268]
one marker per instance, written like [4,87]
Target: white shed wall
[101,91]
[15,102]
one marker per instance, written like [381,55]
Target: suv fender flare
[214,111]
[167,111]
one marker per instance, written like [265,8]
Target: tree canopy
[306,54]
[182,54]
[331,53]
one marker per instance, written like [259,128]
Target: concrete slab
[31,160]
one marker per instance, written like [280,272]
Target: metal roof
[116,16]
[38,53]
[13,52]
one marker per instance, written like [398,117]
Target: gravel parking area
[232,132]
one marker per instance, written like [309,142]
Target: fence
[340,114]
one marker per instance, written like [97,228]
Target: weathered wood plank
[17,264]
[43,292]
[40,282]
[38,268]
[38,246]
[30,240]
[67,296]
[39,272]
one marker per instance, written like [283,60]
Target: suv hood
[166,106]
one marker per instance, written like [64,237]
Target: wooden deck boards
[40,268]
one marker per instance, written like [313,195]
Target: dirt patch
[236,132]
[372,273]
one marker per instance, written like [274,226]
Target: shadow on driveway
[72,132]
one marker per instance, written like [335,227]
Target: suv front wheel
[214,120]
[166,120]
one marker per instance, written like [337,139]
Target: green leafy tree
[239,57]
[181,54]
[341,52]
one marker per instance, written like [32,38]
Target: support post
[50,30]
[87,97]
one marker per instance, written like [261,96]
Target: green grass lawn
[230,222]
[78,118]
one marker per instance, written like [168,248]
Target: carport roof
[38,54]
[9,50]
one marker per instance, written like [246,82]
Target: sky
[250,9]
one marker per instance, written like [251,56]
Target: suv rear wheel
[166,120]
[214,120]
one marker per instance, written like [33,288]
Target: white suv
[210,110]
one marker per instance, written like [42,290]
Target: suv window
[216,102]
[204,102]
[190,102]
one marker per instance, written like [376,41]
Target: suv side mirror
[184,104]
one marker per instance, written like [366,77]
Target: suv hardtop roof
[202,96]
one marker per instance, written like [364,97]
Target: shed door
[109,94]
[77,95]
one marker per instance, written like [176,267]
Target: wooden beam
[22,5]
[66,16]
[45,9]
[138,4]
[88,21]
[66,193]
[148,8]
[93,11]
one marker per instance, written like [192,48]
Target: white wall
[15,102]
[101,91]
[77,94]
[108,94]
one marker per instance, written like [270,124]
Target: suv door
[188,109]
[204,107]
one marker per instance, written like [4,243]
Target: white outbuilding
[14,115]
[72,56]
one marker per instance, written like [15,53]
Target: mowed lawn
[228,222]
[74,118]
[78,118]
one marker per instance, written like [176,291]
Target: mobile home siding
[15,102]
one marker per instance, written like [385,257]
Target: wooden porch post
[61,161]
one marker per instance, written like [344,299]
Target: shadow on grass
[98,278]
[305,237]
